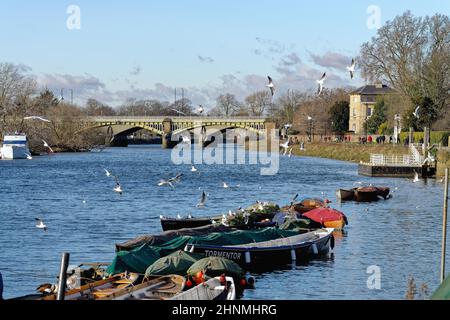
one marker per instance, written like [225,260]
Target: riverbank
[443,161]
[348,151]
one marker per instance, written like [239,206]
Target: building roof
[373,89]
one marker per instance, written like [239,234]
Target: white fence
[396,160]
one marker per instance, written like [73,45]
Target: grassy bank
[443,161]
[348,151]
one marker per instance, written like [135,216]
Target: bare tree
[226,104]
[412,55]
[258,102]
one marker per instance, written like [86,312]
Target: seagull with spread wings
[351,69]
[320,83]
[271,86]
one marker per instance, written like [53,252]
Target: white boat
[15,146]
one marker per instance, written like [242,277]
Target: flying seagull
[179,112]
[351,69]
[320,83]
[200,109]
[290,152]
[47,146]
[285,146]
[271,86]
[293,199]
[36,118]
[108,174]
[202,202]
[416,112]
[40,224]
[163,182]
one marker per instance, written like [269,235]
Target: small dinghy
[218,288]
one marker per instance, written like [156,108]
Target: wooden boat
[152,288]
[383,192]
[309,204]
[346,195]
[366,194]
[328,218]
[268,253]
[213,289]
[168,223]
[121,287]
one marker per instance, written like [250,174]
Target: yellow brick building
[362,102]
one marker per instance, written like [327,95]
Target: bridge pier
[167,142]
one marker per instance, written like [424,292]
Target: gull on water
[271,86]
[118,187]
[40,224]
[194,169]
[351,69]
[186,139]
[320,83]
[416,177]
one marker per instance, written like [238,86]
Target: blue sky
[143,49]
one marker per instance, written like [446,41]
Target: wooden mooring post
[63,276]
[444,226]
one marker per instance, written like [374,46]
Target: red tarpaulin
[321,215]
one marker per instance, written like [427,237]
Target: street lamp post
[397,128]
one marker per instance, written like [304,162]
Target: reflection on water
[85,217]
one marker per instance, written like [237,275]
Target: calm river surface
[401,235]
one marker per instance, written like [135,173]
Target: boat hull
[346,195]
[168,224]
[266,257]
[366,194]
[14,152]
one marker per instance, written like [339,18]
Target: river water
[401,236]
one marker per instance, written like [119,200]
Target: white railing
[396,160]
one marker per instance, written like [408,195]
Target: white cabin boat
[15,146]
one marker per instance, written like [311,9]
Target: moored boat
[218,288]
[327,217]
[269,253]
[366,194]
[383,192]
[346,195]
[168,223]
[15,146]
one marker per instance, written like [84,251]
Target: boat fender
[293,255]
[186,248]
[332,242]
[248,258]
[192,249]
[250,280]
[314,248]
[243,283]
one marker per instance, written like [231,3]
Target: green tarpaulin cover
[443,292]
[139,259]
[216,266]
[176,263]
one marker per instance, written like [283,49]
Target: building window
[354,112]
[369,112]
